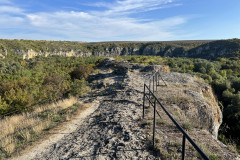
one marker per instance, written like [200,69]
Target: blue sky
[119,20]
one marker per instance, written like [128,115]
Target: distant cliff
[194,49]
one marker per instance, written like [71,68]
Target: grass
[187,126]
[166,154]
[161,121]
[158,140]
[176,144]
[213,157]
[179,99]
[206,150]
[18,131]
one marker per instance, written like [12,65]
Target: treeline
[224,77]
[27,83]
[193,49]
[56,46]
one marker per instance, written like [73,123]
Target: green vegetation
[27,83]
[187,126]
[205,149]
[27,87]
[194,49]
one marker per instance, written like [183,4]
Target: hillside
[195,49]
[47,78]
[113,127]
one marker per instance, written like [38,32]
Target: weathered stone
[113,129]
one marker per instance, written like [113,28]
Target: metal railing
[153,82]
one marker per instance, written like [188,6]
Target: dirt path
[112,127]
[67,129]
[107,130]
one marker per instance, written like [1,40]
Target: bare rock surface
[112,131]
[115,129]
[195,99]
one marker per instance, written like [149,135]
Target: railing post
[149,97]
[153,83]
[143,99]
[183,147]
[156,81]
[154,122]
[149,84]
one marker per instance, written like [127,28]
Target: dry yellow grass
[20,127]
[61,104]
[6,141]
[39,127]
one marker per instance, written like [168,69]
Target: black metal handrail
[150,94]
[157,75]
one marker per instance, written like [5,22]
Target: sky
[119,20]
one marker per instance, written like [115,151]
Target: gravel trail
[112,131]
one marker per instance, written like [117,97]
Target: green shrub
[81,72]
[3,106]
[213,157]
[79,87]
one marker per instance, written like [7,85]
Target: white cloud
[112,24]
[122,7]
[80,24]
[11,9]
[127,5]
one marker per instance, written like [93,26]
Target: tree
[220,85]
[236,84]
[227,96]
[3,106]
[232,117]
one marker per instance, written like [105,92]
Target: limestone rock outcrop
[193,49]
[192,100]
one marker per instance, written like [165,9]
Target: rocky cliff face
[31,53]
[194,49]
[169,51]
[191,101]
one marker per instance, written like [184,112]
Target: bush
[232,116]
[206,77]
[236,84]
[3,106]
[53,87]
[81,72]
[216,76]
[227,96]
[220,85]
[213,157]
[53,79]
[79,87]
